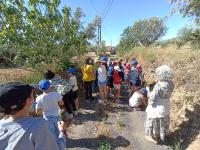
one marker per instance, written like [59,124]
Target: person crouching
[138,100]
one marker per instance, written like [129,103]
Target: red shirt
[116,78]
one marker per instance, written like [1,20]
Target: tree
[40,33]
[188,8]
[143,32]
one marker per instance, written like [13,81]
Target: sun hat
[44,84]
[13,96]
[164,73]
[71,70]
[117,68]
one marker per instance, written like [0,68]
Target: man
[18,131]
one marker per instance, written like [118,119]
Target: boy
[116,83]
[73,82]
[48,105]
[18,130]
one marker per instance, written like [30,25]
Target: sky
[124,13]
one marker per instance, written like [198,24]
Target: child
[73,82]
[102,79]
[116,83]
[19,131]
[139,99]
[110,78]
[133,77]
[48,105]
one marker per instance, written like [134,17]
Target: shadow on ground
[95,143]
[187,130]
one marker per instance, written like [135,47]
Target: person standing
[102,79]
[88,78]
[48,104]
[158,109]
[117,83]
[19,131]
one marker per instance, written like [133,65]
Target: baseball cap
[104,59]
[44,84]
[71,70]
[13,96]
[143,90]
[134,62]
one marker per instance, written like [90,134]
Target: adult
[158,109]
[64,88]
[88,72]
[18,130]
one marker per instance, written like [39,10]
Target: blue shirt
[28,133]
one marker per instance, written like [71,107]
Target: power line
[106,13]
[93,5]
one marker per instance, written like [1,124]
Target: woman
[158,109]
[18,131]
[88,77]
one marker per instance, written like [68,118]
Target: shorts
[110,81]
[75,94]
[117,86]
[102,83]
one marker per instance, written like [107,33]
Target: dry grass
[186,96]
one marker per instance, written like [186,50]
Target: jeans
[88,89]
[53,127]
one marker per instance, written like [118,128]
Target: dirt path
[122,130]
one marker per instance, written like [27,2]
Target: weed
[104,145]
[120,125]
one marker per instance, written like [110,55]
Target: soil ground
[120,128]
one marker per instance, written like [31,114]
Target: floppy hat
[13,95]
[44,84]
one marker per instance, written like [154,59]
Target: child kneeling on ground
[139,99]
[48,105]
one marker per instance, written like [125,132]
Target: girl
[116,83]
[102,78]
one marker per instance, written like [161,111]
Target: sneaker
[75,113]
[70,116]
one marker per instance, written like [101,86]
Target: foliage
[189,35]
[40,33]
[188,8]
[143,33]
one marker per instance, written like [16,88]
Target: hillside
[185,102]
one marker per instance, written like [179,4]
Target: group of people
[19,131]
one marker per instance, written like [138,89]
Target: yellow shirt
[88,72]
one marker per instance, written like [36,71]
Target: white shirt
[49,103]
[73,82]
[135,99]
[102,73]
